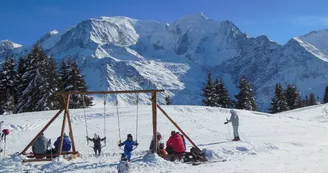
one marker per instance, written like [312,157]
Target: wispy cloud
[313,20]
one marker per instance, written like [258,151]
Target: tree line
[290,98]
[32,84]
[215,94]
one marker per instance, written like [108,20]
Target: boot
[237,138]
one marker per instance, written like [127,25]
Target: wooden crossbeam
[176,125]
[110,92]
[44,128]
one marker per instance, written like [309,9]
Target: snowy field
[295,141]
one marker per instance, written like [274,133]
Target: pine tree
[209,91]
[8,86]
[279,103]
[312,100]
[245,99]
[53,84]
[325,97]
[293,97]
[222,97]
[72,80]
[168,100]
[37,82]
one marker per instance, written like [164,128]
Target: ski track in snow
[287,142]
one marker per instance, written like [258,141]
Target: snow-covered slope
[270,143]
[123,53]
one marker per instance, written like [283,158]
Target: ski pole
[229,131]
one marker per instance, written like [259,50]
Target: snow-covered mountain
[118,53]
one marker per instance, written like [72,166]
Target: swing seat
[47,157]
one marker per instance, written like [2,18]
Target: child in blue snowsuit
[128,146]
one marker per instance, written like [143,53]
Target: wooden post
[154,111]
[70,128]
[66,101]
[176,125]
[44,128]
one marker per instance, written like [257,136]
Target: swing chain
[118,119]
[137,120]
[85,119]
[105,99]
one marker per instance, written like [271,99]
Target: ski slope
[286,142]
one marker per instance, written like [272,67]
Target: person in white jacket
[123,166]
[234,119]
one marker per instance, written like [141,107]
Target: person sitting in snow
[123,166]
[67,144]
[234,119]
[184,141]
[151,147]
[96,143]
[175,145]
[41,145]
[128,146]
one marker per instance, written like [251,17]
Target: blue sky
[25,21]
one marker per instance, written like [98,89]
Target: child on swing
[128,146]
[96,143]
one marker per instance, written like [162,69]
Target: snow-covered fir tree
[168,100]
[222,97]
[325,97]
[245,99]
[37,84]
[293,97]
[279,103]
[8,86]
[209,91]
[72,80]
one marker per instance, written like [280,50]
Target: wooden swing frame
[66,117]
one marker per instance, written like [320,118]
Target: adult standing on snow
[234,119]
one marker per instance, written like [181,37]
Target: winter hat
[159,136]
[232,111]
[129,135]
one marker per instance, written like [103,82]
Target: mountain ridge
[124,53]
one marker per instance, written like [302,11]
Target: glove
[225,122]
[136,144]
[120,144]
[104,138]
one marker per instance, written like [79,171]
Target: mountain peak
[9,44]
